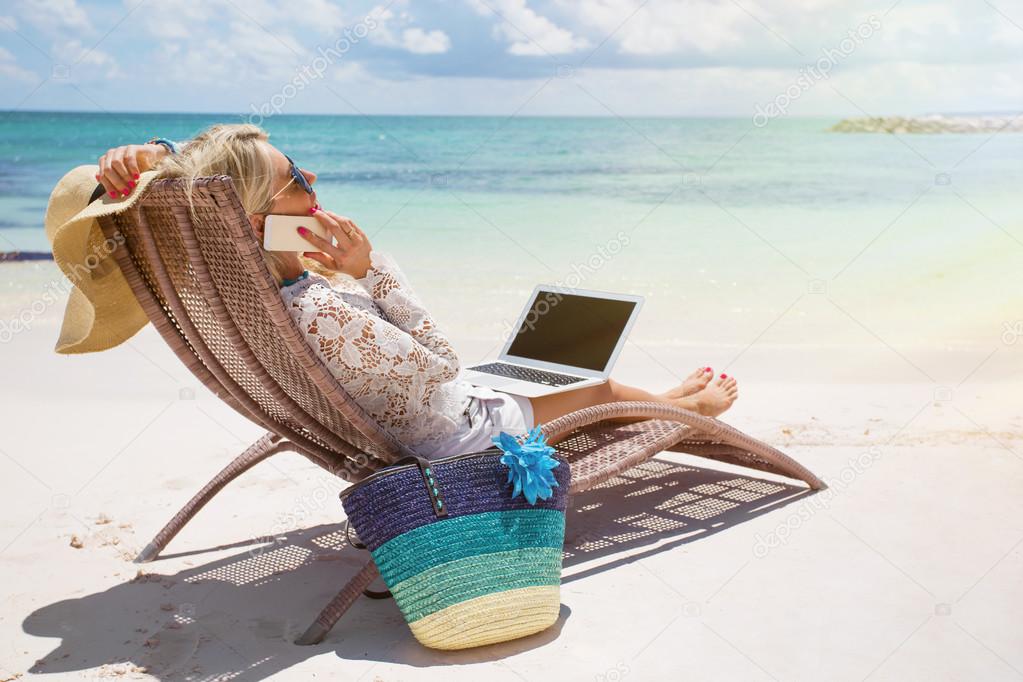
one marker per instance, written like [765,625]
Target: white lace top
[385,349]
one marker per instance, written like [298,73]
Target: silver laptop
[565,339]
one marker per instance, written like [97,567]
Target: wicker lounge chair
[205,287]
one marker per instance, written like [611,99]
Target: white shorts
[489,413]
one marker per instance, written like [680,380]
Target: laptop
[565,339]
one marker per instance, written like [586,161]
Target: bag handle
[358,544]
[436,503]
[430,481]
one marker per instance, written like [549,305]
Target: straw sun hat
[102,311]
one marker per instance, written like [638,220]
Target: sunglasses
[296,176]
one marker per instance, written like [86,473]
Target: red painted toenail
[724,376]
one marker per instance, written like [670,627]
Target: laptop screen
[569,329]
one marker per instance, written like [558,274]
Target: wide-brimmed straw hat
[102,311]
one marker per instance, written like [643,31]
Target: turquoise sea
[787,233]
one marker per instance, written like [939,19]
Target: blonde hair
[238,150]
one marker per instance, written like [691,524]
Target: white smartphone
[280,232]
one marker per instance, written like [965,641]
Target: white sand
[907,568]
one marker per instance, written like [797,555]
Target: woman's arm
[386,283]
[120,167]
[380,276]
[355,343]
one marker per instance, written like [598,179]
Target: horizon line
[478,115]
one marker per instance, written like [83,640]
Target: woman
[360,315]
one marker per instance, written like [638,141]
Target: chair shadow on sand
[239,616]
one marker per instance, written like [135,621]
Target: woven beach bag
[468,557]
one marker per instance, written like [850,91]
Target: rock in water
[930,124]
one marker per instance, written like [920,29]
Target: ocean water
[785,235]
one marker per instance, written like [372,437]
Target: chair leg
[269,444]
[344,599]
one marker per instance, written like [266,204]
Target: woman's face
[291,198]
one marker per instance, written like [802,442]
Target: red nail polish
[302,230]
[97,176]
[125,192]
[113,194]
[131,184]
[136,176]
[724,376]
[312,210]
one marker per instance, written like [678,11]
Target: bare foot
[694,383]
[714,399]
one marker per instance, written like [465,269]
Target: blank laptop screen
[567,329]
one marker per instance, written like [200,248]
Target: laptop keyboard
[536,376]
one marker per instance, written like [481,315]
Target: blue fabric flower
[529,464]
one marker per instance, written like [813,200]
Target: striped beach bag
[470,546]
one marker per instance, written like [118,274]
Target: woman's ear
[257,220]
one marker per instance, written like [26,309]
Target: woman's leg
[715,397]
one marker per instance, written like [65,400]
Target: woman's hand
[120,167]
[351,252]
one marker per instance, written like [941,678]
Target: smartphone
[280,232]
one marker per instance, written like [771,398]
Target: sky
[525,57]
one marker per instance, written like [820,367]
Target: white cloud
[86,63]
[914,88]
[669,57]
[323,15]
[211,42]
[243,53]
[185,19]
[202,63]
[50,16]
[1007,34]
[881,89]
[918,29]
[271,51]
[182,20]
[664,26]
[410,38]
[418,41]
[349,73]
[772,32]
[528,33]
[9,68]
